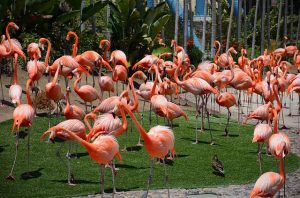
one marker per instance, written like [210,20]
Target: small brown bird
[217,165]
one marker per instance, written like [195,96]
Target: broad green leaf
[63,18]
[92,9]
[157,25]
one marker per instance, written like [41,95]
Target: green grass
[190,169]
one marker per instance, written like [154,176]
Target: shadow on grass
[218,174]
[129,166]
[205,129]
[79,181]
[2,148]
[110,190]
[23,134]
[32,174]
[42,114]
[199,141]
[230,135]
[79,155]
[133,148]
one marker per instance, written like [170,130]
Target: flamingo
[103,150]
[159,141]
[261,135]
[23,116]
[196,86]
[15,90]
[74,125]
[106,83]
[227,100]
[72,111]
[7,49]
[269,183]
[120,73]
[225,59]
[263,113]
[86,92]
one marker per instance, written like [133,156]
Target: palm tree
[239,22]
[262,33]
[254,30]
[298,27]
[213,26]
[269,22]
[176,20]
[245,24]
[278,21]
[191,19]
[82,27]
[185,32]
[292,20]
[230,23]
[93,18]
[220,18]
[204,26]
[285,17]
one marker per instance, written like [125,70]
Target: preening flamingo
[103,150]
[159,141]
[23,116]
[76,127]
[15,90]
[7,49]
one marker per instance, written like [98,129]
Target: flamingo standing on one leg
[15,90]
[23,116]
[103,150]
[158,142]
[227,100]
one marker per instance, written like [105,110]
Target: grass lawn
[190,169]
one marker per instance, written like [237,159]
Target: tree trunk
[298,27]
[239,23]
[262,33]
[229,27]
[82,26]
[269,24]
[285,18]
[292,21]
[107,21]
[254,30]
[93,20]
[278,21]
[185,33]
[176,20]
[220,19]
[245,24]
[213,26]
[204,26]
[191,19]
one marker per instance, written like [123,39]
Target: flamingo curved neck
[15,72]
[218,52]
[105,57]
[282,172]
[141,130]
[8,38]
[48,53]
[76,88]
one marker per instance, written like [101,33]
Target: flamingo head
[13,25]
[70,34]
[281,150]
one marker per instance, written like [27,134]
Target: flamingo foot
[196,142]
[226,132]
[139,144]
[124,149]
[71,181]
[212,143]
[10,177]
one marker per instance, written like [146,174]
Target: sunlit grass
[190,169]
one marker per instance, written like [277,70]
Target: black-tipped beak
[52,140]
[145,81]
[113,114]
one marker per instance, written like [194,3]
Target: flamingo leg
[71,180]
[149,178]
[28,152]
[117,88]
[113,173]
[228,118]
[10,176]
[142,121]
[207,113]
[283,127]
[150,116]
[166,179]
[196,116]
[290,105]
[202,113]
[102,171]
[259,157]
[2,100]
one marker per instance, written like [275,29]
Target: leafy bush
[195,54]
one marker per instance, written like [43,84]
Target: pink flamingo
[103,150]
[120,73]
[159,141]
[86,92]
[23,116]
[72,111]
[77,128]
[15,90]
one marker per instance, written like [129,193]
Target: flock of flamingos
[167,77]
